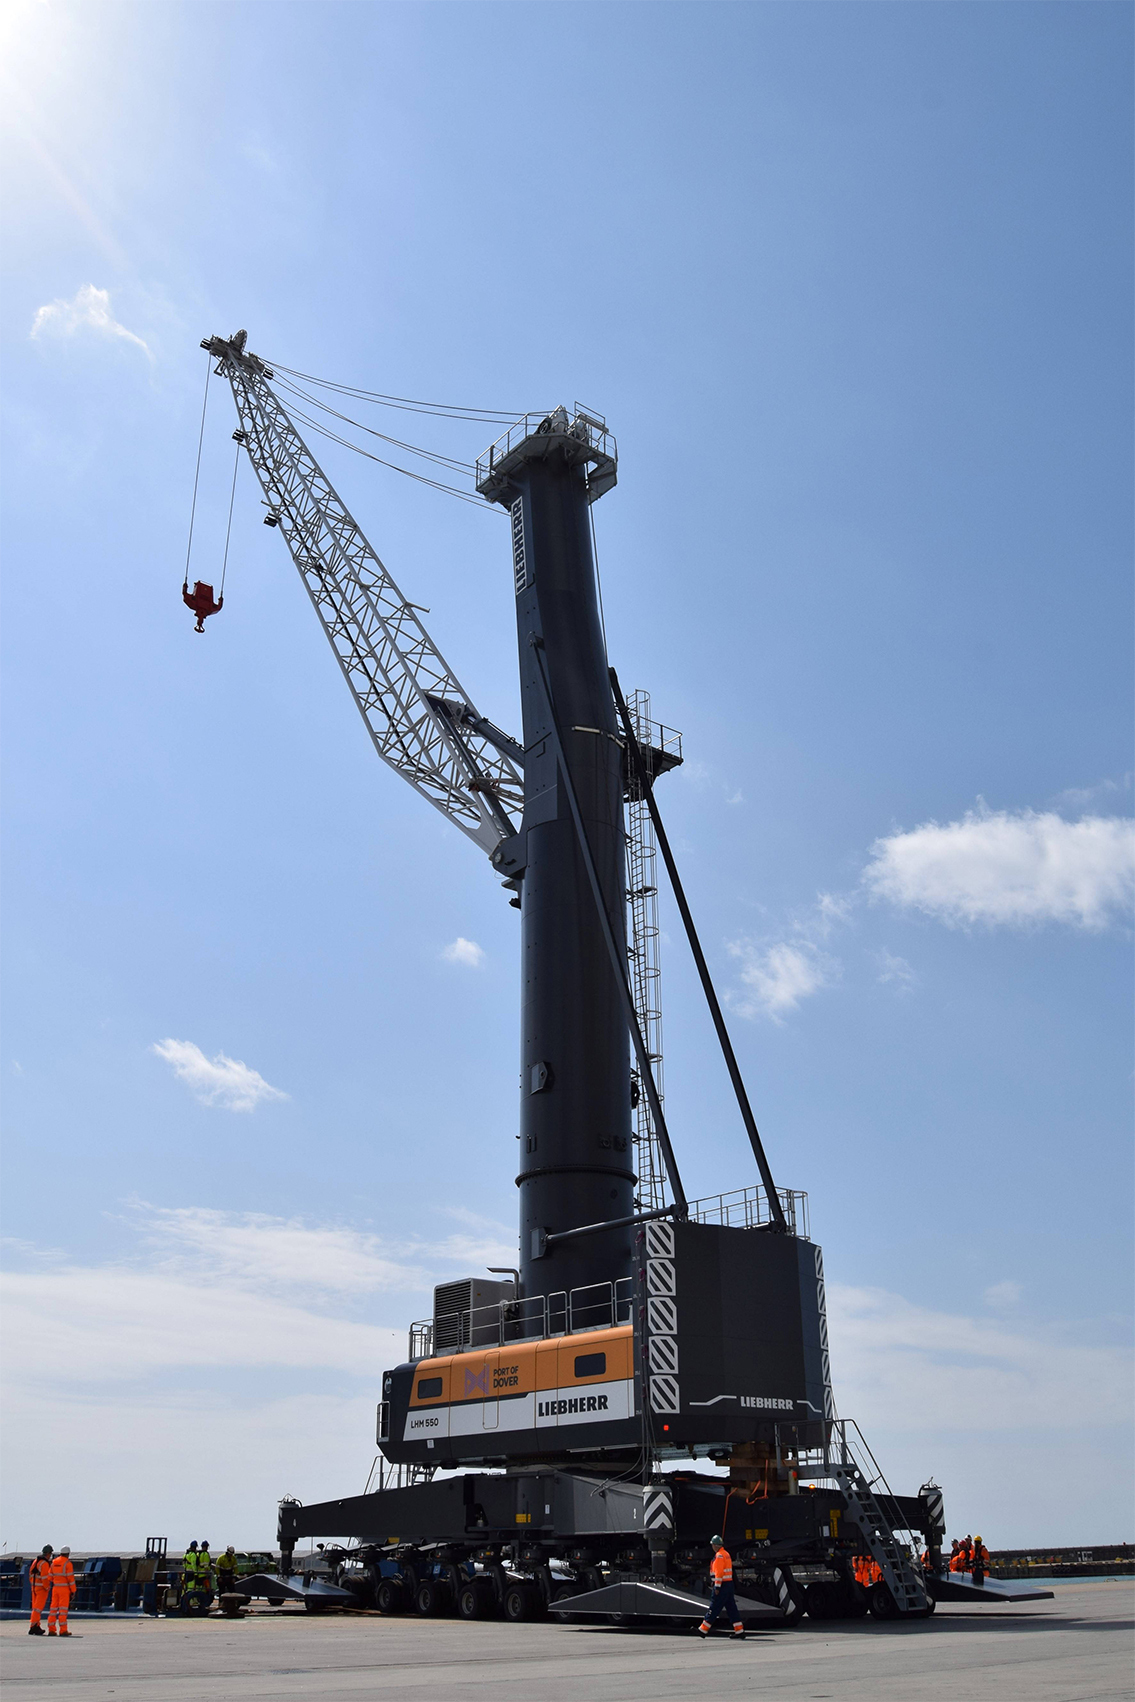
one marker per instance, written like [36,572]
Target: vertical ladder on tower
[645,970]
[872,1507]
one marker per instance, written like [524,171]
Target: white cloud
[778,977]
[262,1338]
[74,1325]
[484,1242]
[1002,1295]
[255,1251]
[464,951]
[1079,797]
[735,798]
[88,310]
[909,1367]
[217,1081]
[895,971]
[1017,868]
[831,911]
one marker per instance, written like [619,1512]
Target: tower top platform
[582,436]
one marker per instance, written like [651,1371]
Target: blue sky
[852,285]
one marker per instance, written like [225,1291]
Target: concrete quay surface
[1077,1648]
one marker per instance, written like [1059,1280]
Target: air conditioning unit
[467,1313]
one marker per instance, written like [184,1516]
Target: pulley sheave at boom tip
[421,719]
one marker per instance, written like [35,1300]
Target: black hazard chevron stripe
[657,1510]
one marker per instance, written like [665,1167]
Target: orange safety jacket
[721,1567]
[40,1574]
[63,1573]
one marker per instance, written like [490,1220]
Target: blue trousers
[722,1605]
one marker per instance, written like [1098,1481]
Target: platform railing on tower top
[582,425]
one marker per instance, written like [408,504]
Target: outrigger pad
[292,1588]
[960,1587]
[635,1598]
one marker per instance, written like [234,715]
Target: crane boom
[421,719]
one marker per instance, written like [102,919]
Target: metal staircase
[872,1507]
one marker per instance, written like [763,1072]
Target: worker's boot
[36,1631]
[736,1636]
[67,1634]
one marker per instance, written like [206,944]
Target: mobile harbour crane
[634,1333]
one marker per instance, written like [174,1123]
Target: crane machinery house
[655,1370]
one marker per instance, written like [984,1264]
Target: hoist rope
[450,490]
[229,528]
[197,472]
[450,410]
[448,461]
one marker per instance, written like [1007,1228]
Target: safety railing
[598,1306]
[845,1450]
[586,428]
[748,1208]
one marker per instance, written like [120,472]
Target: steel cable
[413,449]
[229,528]
[450,490]
[197,472]
[449,410]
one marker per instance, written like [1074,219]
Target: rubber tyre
[855,1598]
[315,1607]
[434,1598]
[520,1603]
[881,1603]
[818,1602]
[475,1600]
[389,1597]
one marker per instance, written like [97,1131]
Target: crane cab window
[429,1388]
[589,1364]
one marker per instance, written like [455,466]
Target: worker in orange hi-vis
[62,1589]
[39,1576]
[722,1603]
